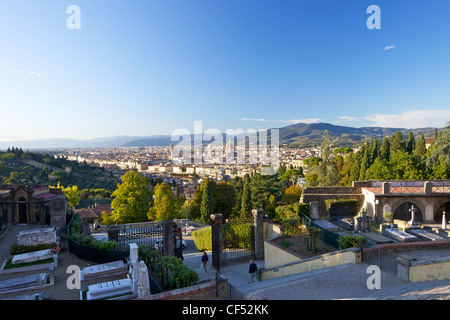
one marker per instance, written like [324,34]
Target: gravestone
[314,210]
[32,256]
[398,235]
[143,285]
[103,270]
[109,289]
[444,222]
[413,222]
[26,282]
[375,237]
[37,236]
[324,224]
[424,235]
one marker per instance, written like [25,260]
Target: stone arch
[440,207]
[22,208]
[401,211]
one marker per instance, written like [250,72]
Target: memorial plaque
[32,256]
[101,270]
[23,282]
[399,235]
[324,224]
[108,289]
[425,235]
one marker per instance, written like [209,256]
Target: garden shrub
[76,234]
[171,271]
[19,249]
[346,242]
[202,239]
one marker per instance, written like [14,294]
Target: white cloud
[389,48]
[18,71]
[292,121]
[347,118]
[411,119]
[31,73]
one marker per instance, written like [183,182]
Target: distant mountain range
[299,134]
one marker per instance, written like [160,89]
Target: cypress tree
[246,207]
[420,148]
[385,150]
[397,143]
[206,208]
[411,144]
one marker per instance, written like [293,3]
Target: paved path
[342,282]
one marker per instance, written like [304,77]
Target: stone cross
[413,221]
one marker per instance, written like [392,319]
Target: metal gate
[384,259]
[238,241]
[146,233]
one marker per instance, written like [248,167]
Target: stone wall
[202,291]
[279,262]
[411,270]
[37,236]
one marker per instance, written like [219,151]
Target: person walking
[204,260]
[252,271]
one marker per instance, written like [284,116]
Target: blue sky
[149,67]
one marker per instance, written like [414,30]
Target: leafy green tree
[326,173]
[71,193]
[132,198]
[291,195]
[420,148]
[440,152]
[397,143]
[225,200]
[379,170]
[165,205]
[292,175]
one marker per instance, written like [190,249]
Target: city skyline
[150,67]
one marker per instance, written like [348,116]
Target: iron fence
[384,259]
[146,233]
[225,291]
[238,241]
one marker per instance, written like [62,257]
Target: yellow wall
[429,272]
[279,262]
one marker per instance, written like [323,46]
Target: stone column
[385,188]
[258,215]
[427,188]
[444,222]
[134,268]
[169,245]
[217,244]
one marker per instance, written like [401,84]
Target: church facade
[32,205]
